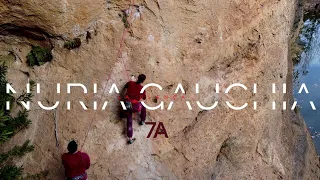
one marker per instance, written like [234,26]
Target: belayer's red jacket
[75,164]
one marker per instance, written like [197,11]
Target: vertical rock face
[182,41]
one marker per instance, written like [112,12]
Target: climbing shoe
[142,123]
[130,141]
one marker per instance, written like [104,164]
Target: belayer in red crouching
[133,97]
[75,163]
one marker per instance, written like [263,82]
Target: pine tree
[9,126]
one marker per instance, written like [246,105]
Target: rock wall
[182,41]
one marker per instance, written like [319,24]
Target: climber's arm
[144,96]
[126,86]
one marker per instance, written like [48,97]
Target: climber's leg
[143,115]
[129,128]
[129,125]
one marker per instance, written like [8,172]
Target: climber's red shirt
[133,91]
[75,164]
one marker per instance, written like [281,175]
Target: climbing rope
[56,127]
[118,54]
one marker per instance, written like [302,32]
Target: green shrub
[3,95]
[26,96]
[125,19]
[38,56]
[10,172]
[16,151]
[9,126]
[8,59]
[72,44]
[125,22]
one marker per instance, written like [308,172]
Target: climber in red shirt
[75,163]
[134,96]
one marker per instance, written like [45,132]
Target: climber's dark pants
[129,120]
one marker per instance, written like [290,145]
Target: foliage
[38,56]
[297,109]
[9,126]
[10,172]
[125,20]
[26,96]
[301,50]
[72,44]
[307,33]
[40,175]
[303,41]
[3,95]
[16,151]
[9,58]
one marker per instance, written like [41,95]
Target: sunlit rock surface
[188,42]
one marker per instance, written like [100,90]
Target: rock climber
[137,14]
[133,95]
[75,163]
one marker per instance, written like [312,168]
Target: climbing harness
[128,105]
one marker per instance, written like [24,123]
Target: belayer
[75,163]
[133,104]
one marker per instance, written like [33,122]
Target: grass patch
[125,21]
[72,44]
[38,56]
[8,59]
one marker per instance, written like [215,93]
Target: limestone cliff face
[181,41]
